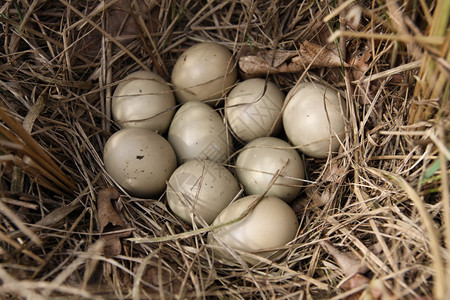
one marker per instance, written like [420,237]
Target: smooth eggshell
[271,224]
[306,123]
[261,159]
[203,186]
[253,107]
[203,72]
[143,100]
[198,132]
[139,160]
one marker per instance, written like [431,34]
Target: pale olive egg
[198,131]
[200,188]
[143,99]
[253,107]
[139,160]
[271,224]
[203,72]
[259,162]
[313,119]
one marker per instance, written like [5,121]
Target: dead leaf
[353,268]
[57,215]
[354,282]
[347,261]
[110,221]
[260,63]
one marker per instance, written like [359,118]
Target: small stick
[308,54]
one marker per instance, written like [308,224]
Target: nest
[374,220]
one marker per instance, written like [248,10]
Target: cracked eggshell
[197,131]
[261,159]
[253,107]
[140,161]
[143,99]
[203,186]
[271,224]
[312,118]
[205,71]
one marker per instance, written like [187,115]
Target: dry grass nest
[374,219]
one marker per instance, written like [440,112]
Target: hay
[382,204]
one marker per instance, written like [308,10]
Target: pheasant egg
[313,119]
[200,188]
[139,160]
[143,99]
[271,224]
[198,131]
[205,71]
[253,109]
[262,159]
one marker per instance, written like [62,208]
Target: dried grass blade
[40,175]
[28,14]
[49,220]
[434,78]
[188,234]
[57,215]
[50,255]
[445,196]
[390,72]
[435,247]
[32,31]
[406,38]
[182,235]
[19,203]
[16,245]
[6,211]
[84,85]
[106,34]
[361,246]
[93,251]
[140,274]
[10,286]
[145,33]
[35,151]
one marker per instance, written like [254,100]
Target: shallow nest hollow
[374,219]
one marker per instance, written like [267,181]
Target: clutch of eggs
[182,152]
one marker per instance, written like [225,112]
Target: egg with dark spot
[143,153]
